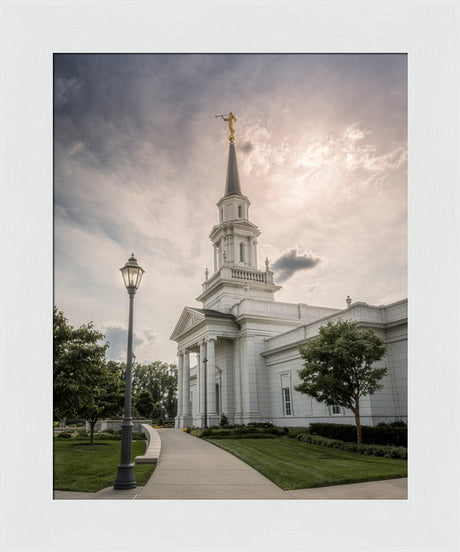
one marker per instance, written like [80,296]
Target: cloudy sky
[140,163]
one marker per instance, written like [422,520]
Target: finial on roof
[348,300]
[206,274]
[267,264]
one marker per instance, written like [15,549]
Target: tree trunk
[91,435]
[358,422]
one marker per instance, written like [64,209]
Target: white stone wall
[388,404]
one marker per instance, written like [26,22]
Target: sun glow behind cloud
[140,163]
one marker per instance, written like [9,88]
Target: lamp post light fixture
[132,276]
[205,362]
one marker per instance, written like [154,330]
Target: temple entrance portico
[206,389]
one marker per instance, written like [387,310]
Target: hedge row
[236,432]
[259,435]
[370,450]
[105,436]
[394,434]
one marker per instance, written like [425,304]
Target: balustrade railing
[241,274]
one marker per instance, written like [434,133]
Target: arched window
[240,211]
[242,252]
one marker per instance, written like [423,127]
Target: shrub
[350,447]
[260,424]
[368,450]
[245,436]
[103,435]
[66,435]
[80,435]
[394,433]
[294,431]
[223,421]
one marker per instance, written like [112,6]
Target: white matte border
[30,32]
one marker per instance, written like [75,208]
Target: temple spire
[232,185]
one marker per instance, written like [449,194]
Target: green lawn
[292,464]
[79,466]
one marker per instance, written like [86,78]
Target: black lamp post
[132,276]
[205,361]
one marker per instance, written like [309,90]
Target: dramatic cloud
[140,163]
[246,147]
[290,263]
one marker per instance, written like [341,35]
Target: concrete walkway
[190,468]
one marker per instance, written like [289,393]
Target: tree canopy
[145,404]
[160,379]
[78,365]
[338,366]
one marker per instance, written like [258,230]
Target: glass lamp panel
[125,274]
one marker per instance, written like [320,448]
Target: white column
[255,252]
[179,388]
[237,371]
[211,399]
[251,251]
[186,389]
[202,390]
[215,258]
[249,380]
[227,393]
[186,384]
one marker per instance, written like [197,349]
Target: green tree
[337,368]
[106,399]
[144,403]
[160,378]
[78,365]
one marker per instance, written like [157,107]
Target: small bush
[294,431]
[223,421]
[103,435]
[368,450]
[80,435]
[260,424]
[66,435]
[245,436]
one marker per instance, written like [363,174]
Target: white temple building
[246,343]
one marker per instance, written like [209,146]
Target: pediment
[188,319]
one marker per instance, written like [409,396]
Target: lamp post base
[125,477]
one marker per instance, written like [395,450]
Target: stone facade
[246,344]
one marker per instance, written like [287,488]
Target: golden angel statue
[229,119]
